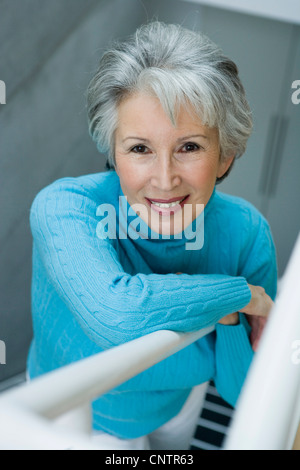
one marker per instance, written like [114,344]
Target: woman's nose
[165,176]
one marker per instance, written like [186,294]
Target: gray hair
[178,66]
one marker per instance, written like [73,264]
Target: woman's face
[167,173]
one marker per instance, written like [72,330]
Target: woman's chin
[169,225]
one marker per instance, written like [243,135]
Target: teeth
[167,206]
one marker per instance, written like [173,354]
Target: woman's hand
[260,304]
[231,319]
[257,312]
[257,326]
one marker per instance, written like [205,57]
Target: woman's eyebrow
[178,140]
[135,138]
[192,136]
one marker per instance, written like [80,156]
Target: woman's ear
[224,165]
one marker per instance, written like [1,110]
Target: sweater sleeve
[110,305]
[233,353]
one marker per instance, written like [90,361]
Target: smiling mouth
[167,203]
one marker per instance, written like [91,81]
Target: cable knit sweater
[91,292]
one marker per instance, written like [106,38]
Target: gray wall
[48,52]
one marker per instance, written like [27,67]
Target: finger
[257,327]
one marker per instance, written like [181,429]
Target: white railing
[28,413]
[268,411]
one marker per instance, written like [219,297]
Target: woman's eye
[190,147]
[140,149]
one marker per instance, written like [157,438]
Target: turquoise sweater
[91,292]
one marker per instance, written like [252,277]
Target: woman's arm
[110,305]
[234,334]
[260,305]
[257,314]
[233,356]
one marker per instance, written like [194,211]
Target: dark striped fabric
[213,422]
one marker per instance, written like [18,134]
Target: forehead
[143,113]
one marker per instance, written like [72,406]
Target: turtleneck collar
[130,225]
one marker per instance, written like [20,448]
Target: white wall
[48,51]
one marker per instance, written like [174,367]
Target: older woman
[169,110]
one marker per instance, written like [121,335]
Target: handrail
[268,410]
[31,406]
[267,413]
